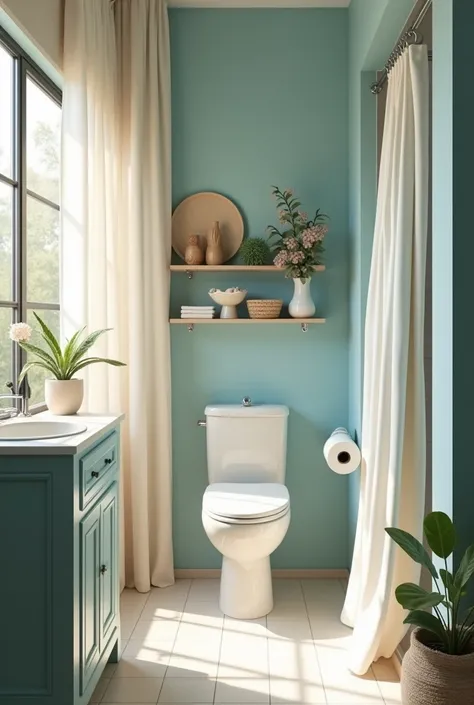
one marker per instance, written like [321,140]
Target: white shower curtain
[393,429]
[116,219]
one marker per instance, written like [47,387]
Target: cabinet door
[89,543]
[108,566]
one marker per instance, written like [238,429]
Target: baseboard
[296,573]
[197,573]
[397,659]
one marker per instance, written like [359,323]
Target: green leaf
[71,345]
[29,366]
[427,621]
[448,583]
[81,349]
[413,548]
[44,356]
[93,360]
[466,569]
[440,533]
[50,339]
[414,597]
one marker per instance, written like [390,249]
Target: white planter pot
[302,305]
[64,397]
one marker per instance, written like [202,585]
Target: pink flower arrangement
[298,249]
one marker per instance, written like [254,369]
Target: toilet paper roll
[341,453]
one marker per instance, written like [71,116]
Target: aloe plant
[438,612]
[63,364]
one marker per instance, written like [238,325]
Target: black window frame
[23,68]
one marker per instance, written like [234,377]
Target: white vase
[302,305]
[63,396]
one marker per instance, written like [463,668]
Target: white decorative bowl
[229,301]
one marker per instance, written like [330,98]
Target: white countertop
[96,425]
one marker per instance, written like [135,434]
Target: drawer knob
[103,569]
[94,473]
[107,461]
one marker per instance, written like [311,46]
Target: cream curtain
[116,248]
[393,429]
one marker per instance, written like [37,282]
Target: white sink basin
[39,430]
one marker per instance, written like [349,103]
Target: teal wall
[443,256]
[453,252]
[374,26]
[261,97]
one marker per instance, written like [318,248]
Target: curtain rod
[411,36]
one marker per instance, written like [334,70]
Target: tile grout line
[314,645]
[174,640]
[124,645]
[219,655]
[268,660]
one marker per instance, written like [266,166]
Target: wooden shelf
[230,268]
[237,321]
[191,322]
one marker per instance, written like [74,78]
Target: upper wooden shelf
[231,268]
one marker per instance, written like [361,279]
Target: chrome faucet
[23,397]
[10,412]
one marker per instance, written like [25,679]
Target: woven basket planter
[264,308]
[430,677]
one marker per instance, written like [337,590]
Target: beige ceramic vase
[214,252]
[193,253]
[63,396]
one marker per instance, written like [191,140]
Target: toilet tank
[246,443]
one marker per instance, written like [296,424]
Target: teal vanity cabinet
[59,566]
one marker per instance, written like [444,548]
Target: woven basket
[430,677]
[264,308]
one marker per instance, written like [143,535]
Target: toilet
[246,506]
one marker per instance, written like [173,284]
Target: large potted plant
[64,392]
[438,668]
[298,247]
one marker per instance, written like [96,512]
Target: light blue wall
[374,26]
[260,97]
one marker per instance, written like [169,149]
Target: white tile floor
[178,648]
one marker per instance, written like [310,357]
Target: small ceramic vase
[193,253]
[302,305]
[214,253]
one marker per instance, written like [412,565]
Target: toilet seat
[246,503]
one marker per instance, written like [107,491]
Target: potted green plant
[255,251]
[298,247]
[63,391]
[438,668]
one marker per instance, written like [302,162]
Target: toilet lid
[245,500]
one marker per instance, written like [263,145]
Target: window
[30,127]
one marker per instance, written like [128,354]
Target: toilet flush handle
[246,401]
[201,423]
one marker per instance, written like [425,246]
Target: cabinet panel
[90,595]
[96,467]
[108,567]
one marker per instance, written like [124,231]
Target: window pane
[6,112]
[43,127]
[6,242]
[37,375]
[6,350]
[42,252]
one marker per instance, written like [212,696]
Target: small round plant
[255,252]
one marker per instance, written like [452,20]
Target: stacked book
[197,311]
